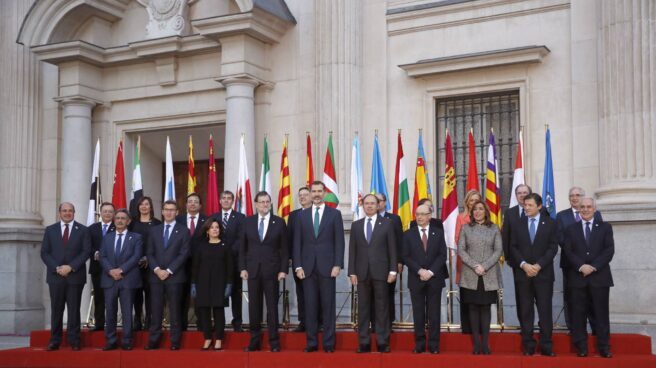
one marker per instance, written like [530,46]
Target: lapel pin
[542,222]
[596,225]
[273,222]
[432,233]
[76,228]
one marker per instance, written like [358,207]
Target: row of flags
[399,204]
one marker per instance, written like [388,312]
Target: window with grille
[498,111]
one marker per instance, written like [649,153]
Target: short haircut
[536,197]
[59,208]
[107,204]
[208,224]
[370,195]
[122,210]
[195,195]
[382,197]
[423,201]
[524,185]
[229,193]
[170,202]
[594,201]
[318,182]
[303,188]
[262,194]
[576,188]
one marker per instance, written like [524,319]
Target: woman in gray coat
[479,247]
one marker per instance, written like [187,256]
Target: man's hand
[530,270]
[116,273]
[354,280]
[586,270]
[281,276]
[335,271]
[162,274]
[244,275]
[96,256]
[399,267]
[300,274]
[143,262]
[64,270]
[424,275]
[391,278]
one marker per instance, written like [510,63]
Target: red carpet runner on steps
[629,351]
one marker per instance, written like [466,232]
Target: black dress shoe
[418,351]
[150,347]
[137,327]
[275,349]
[548,353]
[98,328]
[75,347]
[329,350]
[529,352]
[582,353]
[363,349]
[299,328]
[310,349]
[486,351]
[52,347]
[237,328]
[605,354]
[126,347]
[249,349]
[109,347]
[175,347]
[383,349]
[435,351]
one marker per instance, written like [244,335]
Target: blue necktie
[260,229]
[577,216]
[119,243]
[531,230]
[317,220]
[104,231]
[587,231]
[370,230]
[166,236]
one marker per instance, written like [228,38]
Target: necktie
[522,214]
[192,226]
[65,236]
[225,220]
[577,216]
[531,230]
[370,230]
[587,231]
[104,231]
[119,243]
[260,228]
[166,236]
[316,222]
[424,239]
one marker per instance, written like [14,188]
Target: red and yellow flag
[285,192]
[212,199]
[191,177]
[309,171]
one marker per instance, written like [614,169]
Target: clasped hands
[64,270]
[586,270]
[116,273]
[531,270]
[424,274]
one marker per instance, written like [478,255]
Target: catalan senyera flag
[518,175]
[243,196]
[492,198]
[212,200]
[330,177]
[119,197]
[472,171]
[422,184]
[449,196]
[309,171]
[285,197]
[401,191]
[191,176]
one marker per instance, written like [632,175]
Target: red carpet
[629,351]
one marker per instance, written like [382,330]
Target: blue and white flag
[356,180]
[378,183]
[169,187]
[548,189]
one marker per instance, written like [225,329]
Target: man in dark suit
[372,266]
[168,250]
[434,223]
[565,218]
[194,221]
[119,258]
[65,248]
[424,252]
[534,244]
[305,200]
[97,231]
[318,259]
[231,222]
[263,261]
[589,247]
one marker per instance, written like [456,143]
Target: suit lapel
[324,219]
[269,228]
[376,232]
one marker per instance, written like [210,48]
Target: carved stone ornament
[167,17]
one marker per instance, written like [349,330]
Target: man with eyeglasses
[263,261]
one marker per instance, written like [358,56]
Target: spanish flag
[191,177]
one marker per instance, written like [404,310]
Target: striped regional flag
[285,198]
[329,176]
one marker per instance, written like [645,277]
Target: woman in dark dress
[211,277]
[141,225]
[479,247]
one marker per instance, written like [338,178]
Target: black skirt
[478,296]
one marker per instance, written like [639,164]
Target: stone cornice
[456,63]
[257,23]
[79,100]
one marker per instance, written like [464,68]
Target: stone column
[240,119]
[339,68]
[21,272]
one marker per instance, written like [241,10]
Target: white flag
[169,188]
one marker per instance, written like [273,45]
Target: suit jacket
[266,257]
[433,259]
[172,257]
[398,233]
[598,253]
[434,223]
[565,218]
[74,254]
[95,231]
[376,259]
[128,259]
[197,236]
[230,235]
[542,251]
[510,220]
[326,250]
[291,226]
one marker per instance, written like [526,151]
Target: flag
[449,196]
[356,180]
[401,192]
[492,198]
[309,171]
[212,199]
[191,176]
[518,176]
[94,197]
[265,176]
[422,184]
[118,191]
[137,187]
[548,189]
[169,180]
[244,199]
[285,198]
[329,177]
[472,172]
[378,184]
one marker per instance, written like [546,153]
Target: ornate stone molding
[257,23]
[167,17]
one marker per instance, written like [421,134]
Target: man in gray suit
[372,266]
[119,258]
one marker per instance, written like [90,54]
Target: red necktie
[65,237]
[192,227]
[424,239]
